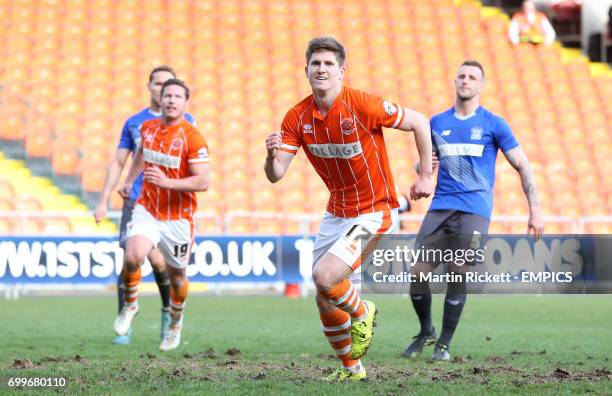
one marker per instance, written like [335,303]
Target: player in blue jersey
[129,143]
[465,139]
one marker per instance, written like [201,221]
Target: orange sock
[345,297]
[131,280]
[337,329]
[177,301]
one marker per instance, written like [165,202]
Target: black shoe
[420,340]
[440,353]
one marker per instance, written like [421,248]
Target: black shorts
[126,217]
[442,230]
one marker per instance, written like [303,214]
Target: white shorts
[343,237]
[174,237]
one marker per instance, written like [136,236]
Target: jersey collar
[154,113]
[465,117]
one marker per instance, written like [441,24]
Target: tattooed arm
[519,161]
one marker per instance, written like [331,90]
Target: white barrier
[305,220]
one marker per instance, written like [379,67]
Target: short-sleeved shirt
[171,148]
[467,148]
[130,139]
[347,149]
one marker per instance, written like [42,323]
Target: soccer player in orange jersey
[174,157]
[340,129]
[129,143]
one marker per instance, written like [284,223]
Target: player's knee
[177,279]
[133,259]
[177,283]
[323,281]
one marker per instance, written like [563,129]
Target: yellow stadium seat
[56,226]
[6,203]
[30,204]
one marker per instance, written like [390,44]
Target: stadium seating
[80,67]
[21,192]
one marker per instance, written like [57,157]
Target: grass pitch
[271,345]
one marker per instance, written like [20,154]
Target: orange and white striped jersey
[171,148]
[347,149]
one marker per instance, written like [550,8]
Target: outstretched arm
[519,161]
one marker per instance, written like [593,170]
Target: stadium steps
[22,191]
[42,167]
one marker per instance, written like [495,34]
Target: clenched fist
[273,143]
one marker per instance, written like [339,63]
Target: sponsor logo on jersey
[347,126]
[476,133]
[445,132]
[390,108]
[165,160]
[461,149]
[333,150]
[307,128]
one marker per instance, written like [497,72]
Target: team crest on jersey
[177,144]
[307,128]
[203,153]
[149,138]
[347,126]
[476,133]
[390,108]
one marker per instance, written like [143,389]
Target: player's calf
[123,322]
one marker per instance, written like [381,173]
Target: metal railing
[305,221]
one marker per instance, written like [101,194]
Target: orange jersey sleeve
[291,141]
[197,152]
[383,113]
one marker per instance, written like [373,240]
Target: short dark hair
[161,68]
[474,64]
[175,81]
[326,44]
